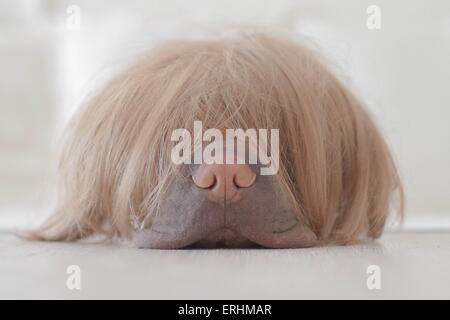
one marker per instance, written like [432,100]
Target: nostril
[204,181]
[244,178]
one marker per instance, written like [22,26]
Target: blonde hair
[116,167]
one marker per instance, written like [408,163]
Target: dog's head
[334,178]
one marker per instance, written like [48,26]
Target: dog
[335,181]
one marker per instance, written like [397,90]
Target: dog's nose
[224,180]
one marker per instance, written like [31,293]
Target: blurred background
[395,55]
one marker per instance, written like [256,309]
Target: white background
[402,71]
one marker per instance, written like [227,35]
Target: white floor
[412,265]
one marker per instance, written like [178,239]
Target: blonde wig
[115,166]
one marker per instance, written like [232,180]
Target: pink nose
[224,180]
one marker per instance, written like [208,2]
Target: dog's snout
[223,180]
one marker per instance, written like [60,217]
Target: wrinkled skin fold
[261,217]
